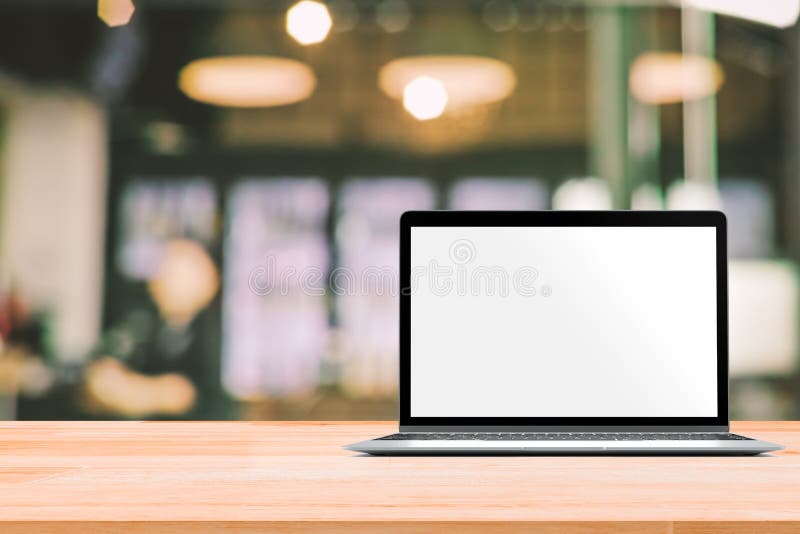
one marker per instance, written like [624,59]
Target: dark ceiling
[134,70]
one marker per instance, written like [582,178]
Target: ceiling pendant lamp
[452,82]
[308,22]
[672,77]
[442,71]
[247,81]
[248,65]
[115,12]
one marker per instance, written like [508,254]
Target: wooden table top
[296,477]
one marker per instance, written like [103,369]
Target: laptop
[563,333]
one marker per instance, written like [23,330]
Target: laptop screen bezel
[713,219]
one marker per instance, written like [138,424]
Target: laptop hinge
[565,428]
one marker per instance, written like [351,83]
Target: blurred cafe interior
[156,156]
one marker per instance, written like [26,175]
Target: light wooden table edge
[759,524]
[404,527]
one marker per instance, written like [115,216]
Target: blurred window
[367,239]
[751,218]
[156,212]
[582,194]
[275,319]
[499,194]
[764,301]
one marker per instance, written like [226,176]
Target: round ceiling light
[115,12]
[671,77]
[247,81]
[468,80]
[308,22]
[425,98]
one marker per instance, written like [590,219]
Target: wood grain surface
[97,477]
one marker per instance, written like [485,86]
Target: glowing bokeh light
[763,317]
[671,77]
[647,197]
[115,12]
[186,281]
[425,98]
[468,80]
[308,22]
[111,387]
[344,13]
[500,15]
[693,195]
[247,81]
[582,194]
[393,15]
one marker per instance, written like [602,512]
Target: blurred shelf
[326,406]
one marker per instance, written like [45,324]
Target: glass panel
[499,194]
[275,320]
[367,239]
[764,300]
[751,218]
[155,212]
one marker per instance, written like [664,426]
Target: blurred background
[157,157]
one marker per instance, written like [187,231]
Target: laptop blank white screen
[563,322]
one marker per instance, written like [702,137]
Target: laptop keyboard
[563,436]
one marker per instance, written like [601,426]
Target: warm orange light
[467,80]
[671,77]
[247,81]
[425,98]
[308,22]
[185,282]
[111,387]
[115,12]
